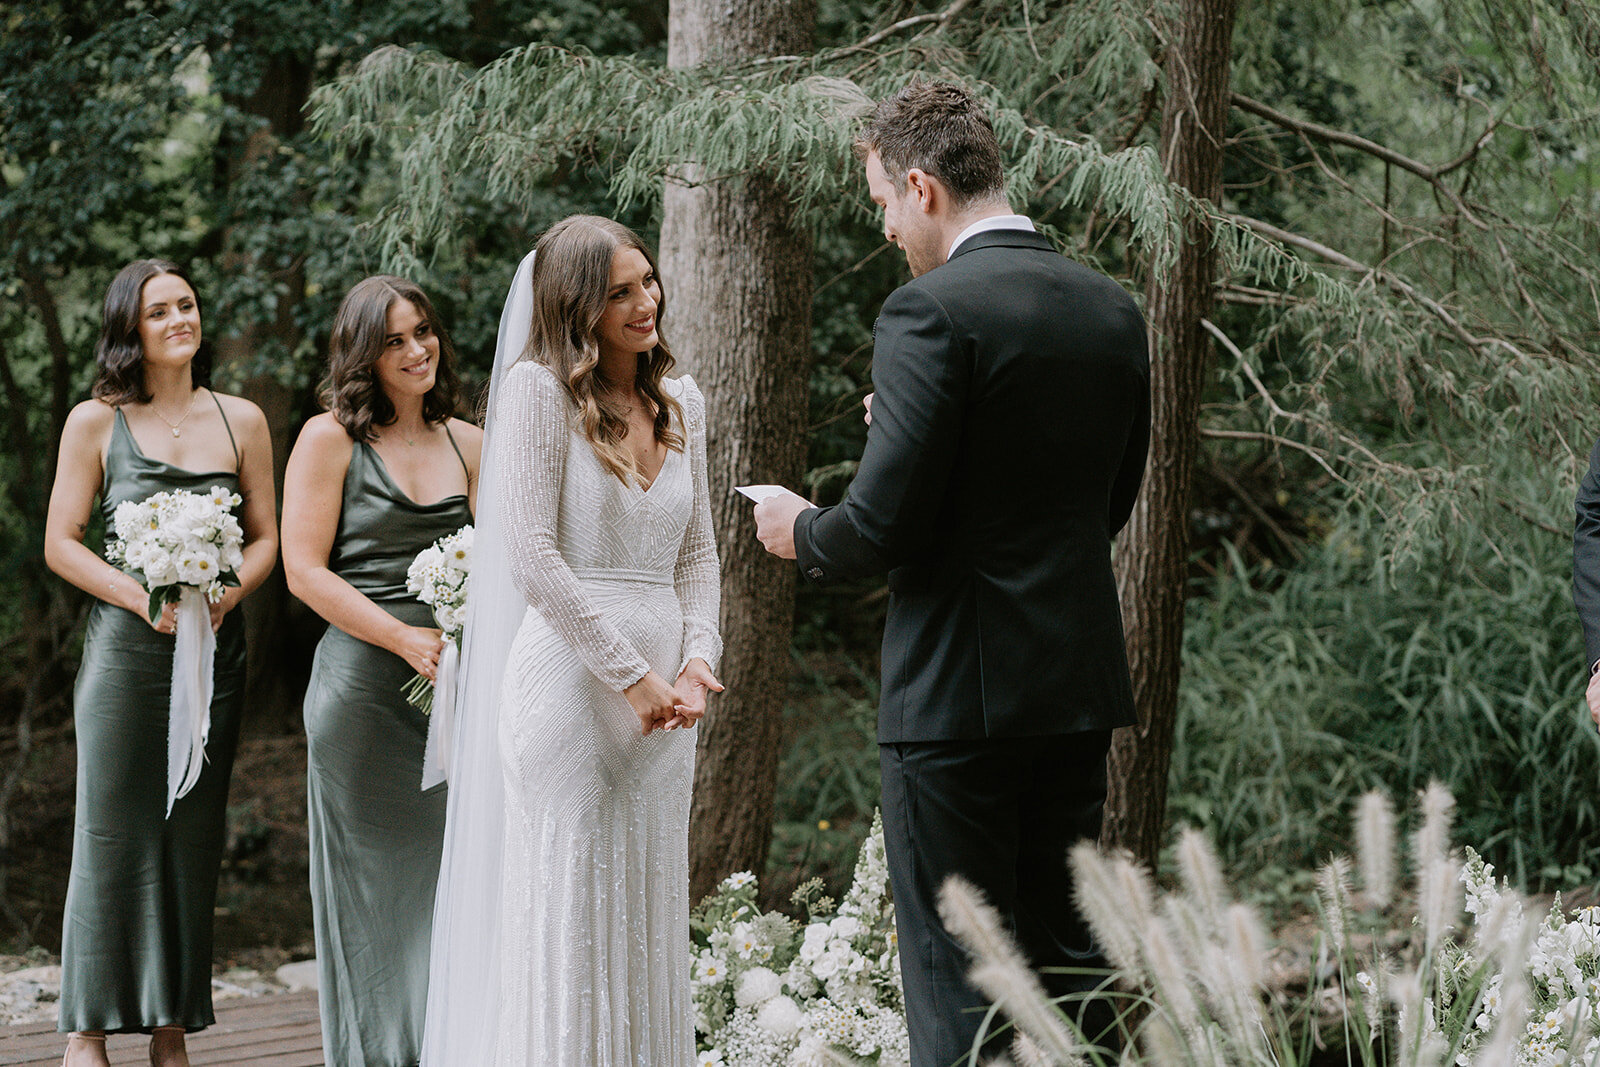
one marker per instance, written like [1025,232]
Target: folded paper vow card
[758,493]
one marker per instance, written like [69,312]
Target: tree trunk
[279,99]
[1152,553]
[737,274]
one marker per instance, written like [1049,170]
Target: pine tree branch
[1280,412]
[1432,175]
[1392,281]
[1317,455]
[940,17]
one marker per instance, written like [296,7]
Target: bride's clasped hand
[681,705]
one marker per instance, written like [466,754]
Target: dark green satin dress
[375,836]
[136,937]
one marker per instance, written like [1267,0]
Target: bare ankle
[85,1047]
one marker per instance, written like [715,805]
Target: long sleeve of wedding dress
[697,577]
[619,579]
[536,434]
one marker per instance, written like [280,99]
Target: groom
[1006,444]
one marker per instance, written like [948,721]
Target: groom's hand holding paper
[776,508]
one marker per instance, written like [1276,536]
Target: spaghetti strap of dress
[464,469]
[238,464]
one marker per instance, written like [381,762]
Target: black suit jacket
[1586,556]
[1007,445]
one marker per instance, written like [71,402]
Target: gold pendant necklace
[173,426]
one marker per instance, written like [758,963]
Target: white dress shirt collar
[993,222]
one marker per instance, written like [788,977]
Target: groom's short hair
[939,128]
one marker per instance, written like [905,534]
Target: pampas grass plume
[1436,873]
[1114,896]
[1333,888]
[1002,974]
[1202,875]
[1375,848]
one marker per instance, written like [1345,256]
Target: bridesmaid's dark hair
[119,353]
[351,390]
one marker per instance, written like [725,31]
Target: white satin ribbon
[442,720]
[189,716]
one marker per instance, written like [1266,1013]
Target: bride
[561,932]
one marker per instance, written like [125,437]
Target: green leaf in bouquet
[229,578]
[158,600]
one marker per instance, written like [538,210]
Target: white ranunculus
[757,986]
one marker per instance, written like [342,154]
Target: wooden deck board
[270,1031]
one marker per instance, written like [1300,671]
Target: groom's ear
[925,188]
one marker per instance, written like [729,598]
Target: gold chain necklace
[173,426]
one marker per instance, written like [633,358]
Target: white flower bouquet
[769,990]
[438,577]
[185,548]
[180,539]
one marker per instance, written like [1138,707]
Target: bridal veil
[464,972]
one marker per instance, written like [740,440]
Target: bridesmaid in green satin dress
[136,935]
[380,476]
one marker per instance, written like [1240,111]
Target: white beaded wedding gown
[594,961]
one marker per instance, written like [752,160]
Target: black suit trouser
[1002,813]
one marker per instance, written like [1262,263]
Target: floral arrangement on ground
[771,990]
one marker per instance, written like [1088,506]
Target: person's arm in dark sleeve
[1586,557]
[1130,474]
[920,380]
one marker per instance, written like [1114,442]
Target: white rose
[846,927]
[135,553]
[159,567]
[780,1016]
[826,966]
[128,519]
[815,942]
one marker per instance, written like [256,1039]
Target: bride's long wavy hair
[571,281]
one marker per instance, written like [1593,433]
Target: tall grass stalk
[1304,689]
